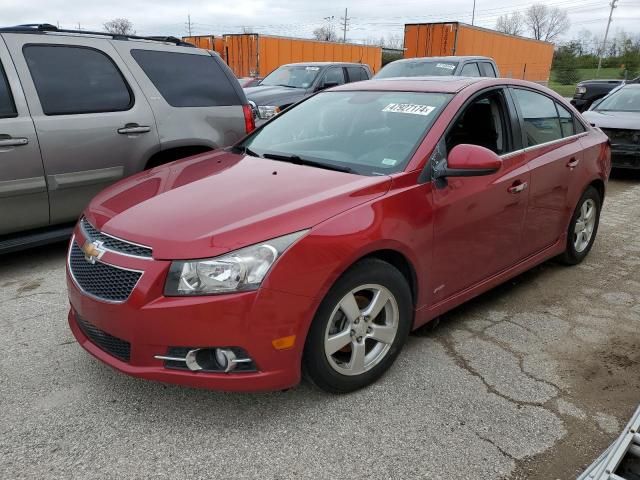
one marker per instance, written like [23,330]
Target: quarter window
[7,107]
[541,122]
[566,121]
[186,79]
[74,80]
[470,70]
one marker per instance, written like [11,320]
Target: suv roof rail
[47,27]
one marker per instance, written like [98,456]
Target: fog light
[225,359]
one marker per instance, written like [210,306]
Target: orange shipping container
[516,57]
[208,42]
[250,54]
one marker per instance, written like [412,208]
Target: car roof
[322,64]
[450,58]
[631,85]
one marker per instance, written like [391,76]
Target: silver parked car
[80,110]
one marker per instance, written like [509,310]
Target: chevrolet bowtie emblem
[93,251]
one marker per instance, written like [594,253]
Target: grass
[582,74]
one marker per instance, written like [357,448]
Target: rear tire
[359,328]
[583,227]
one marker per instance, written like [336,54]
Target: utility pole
[473,13]
[606,34]
[189,24]
[345,23]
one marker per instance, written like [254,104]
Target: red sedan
[319,241]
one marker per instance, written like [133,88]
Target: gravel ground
[532,380]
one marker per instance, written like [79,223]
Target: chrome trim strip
[545,144]
[104,300]
[22,186]
[169,359]
[117,252]
[60,181]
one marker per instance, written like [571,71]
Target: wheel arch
[398,260]
[598,184]
[175,153]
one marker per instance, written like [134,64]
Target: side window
[541,122]
[488,70]
[470,70]
[484,122]
[7,107]
[73,80]
[580,128]
[357,74]
[334,75]
[566,121]
[187,80]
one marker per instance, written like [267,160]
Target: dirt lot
[532,380]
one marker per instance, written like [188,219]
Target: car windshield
[298,76]
[417,69]
[369,133]
[624,100]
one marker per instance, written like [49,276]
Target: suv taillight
[249,122]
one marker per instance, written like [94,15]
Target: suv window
[73,80]
[487,69]
[470,70]
[541,122]
[7,107]
[187,80]
[484,122]
[566,121]
[357,74]
[334,75]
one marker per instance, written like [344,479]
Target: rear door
[93,123]
[23,190]
[553,152]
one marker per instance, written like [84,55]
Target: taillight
[249,121]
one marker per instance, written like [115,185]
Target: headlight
[581,90]
[236,271]
[267,112]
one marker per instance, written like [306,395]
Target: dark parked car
[618,115]
[291,83]
[321,239]
[246,82]
[588,91]
[474,66]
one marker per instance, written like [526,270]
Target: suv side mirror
[325,85]
[468,161]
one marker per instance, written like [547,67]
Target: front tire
[583,227]
[359,328]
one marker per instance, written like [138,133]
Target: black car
[291,83]
[588,91]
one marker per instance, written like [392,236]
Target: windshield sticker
[389,161]
[313,69]
[409,108]
[448,66]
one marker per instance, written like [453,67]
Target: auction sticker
[448,66]
[411,108]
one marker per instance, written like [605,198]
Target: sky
[368,19]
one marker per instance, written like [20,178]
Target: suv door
[553,152]
[478,220]
[93,122]
[23,190]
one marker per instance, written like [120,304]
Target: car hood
[629,120]
[274,96]
[213,203]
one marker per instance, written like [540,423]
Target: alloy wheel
[585,225]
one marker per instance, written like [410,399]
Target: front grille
[623,136]
[103,281]
[110,344]
[114,244]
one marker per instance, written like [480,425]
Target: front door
[478,220]
[93,122]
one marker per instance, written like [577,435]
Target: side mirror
[468,161]
[326,85]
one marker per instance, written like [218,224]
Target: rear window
[75,80]
[187,80]
[7,107]
[417,69]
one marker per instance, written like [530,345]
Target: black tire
[315,364]
[571,256]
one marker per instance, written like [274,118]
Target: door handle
[517,187]
[13,142]
[573,163]
[133,128]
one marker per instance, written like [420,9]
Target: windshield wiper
[284,85]
[296,159]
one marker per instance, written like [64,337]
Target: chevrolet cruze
[317,243]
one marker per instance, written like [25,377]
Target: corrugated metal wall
[517,57]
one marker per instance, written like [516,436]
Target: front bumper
[625,156]
[152,324]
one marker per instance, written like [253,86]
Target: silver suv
[80,110]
